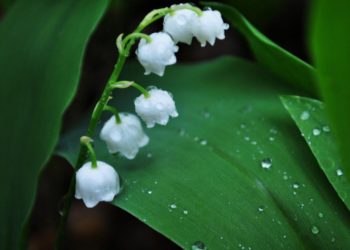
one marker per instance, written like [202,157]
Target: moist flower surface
[180,25]
[125,137]
[209,27]
[156,108]
[95,184]
[157,54]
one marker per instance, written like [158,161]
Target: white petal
[157,54]
[126,137]
[156,108]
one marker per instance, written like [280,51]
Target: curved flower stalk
[97,181]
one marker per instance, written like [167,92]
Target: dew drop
[150,192]
[266,163]
[196,138]
[295,185]
[149,155]
[315,230]
[182,132]
[185,212]
[316,132]
[247,138]
[203,142]
[339,172]
[206,114]
[271,138]
[320,215]
[198,245]
[243,126]
[254,143]
[261,209]
[305,115]
[326,129]
[173,206]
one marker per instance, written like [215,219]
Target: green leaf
[201,176]
[42,44]
[330,43]
[277,60]
[310,117]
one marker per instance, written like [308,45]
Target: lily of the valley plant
[123,133]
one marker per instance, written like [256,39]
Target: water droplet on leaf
[315,230]
[266,163]
[316,131]
[305,115]
[198,245]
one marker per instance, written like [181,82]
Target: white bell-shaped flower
[157,54]
[180,25]
[96,184]
[156,108]
[125,137]
[209,27]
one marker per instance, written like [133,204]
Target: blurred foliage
[277,60]
[330,45]
[39,72]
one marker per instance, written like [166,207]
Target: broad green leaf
[277,60]
[330,43]
[207,175]
[310,117]
[41,44]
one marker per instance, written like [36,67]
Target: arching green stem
[115,112]
[86,141]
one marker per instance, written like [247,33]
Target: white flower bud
[157,54]
[180,25]
[156,108]
[209,27]
[96,184]
[126,137]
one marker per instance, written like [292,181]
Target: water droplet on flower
[305,115]
[198,245]
[315,230]
[326,129]
[266,163]
[339,172]
[316,131]
[173,206]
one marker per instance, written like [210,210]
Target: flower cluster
[179,26]
[123,133]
